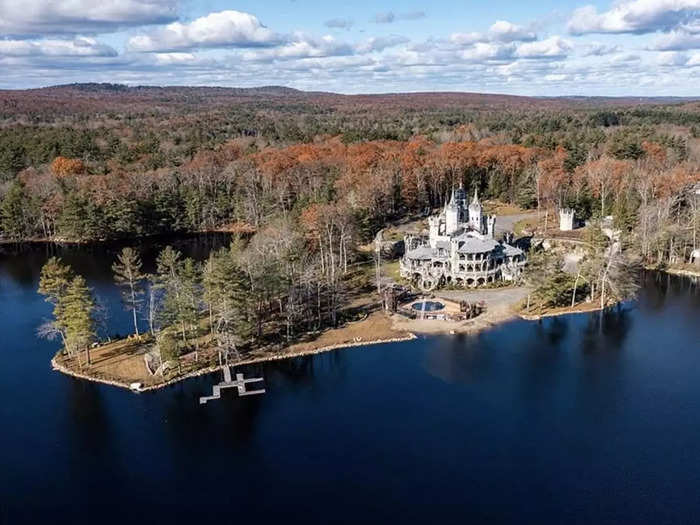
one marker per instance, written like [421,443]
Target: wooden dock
[239,384]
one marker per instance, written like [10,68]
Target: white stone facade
[460,249]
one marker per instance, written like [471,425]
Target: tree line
[259,291]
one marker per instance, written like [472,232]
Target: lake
[577,419]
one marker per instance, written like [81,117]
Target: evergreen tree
[54,279]
[128,275]
[225,296]
[17,213]
[189,311]
[169,281]
[74,307]
[75,316]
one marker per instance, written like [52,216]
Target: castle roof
[468,244]
[512,250]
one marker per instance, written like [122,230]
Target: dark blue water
[568,420]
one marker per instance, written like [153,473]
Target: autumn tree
[64,167]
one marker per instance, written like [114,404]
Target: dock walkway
[239,384]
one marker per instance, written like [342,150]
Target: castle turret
[453,212]
[566,219]
[491,225]
[476,218]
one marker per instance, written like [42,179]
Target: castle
[460,249]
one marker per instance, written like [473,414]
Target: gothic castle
[460,249]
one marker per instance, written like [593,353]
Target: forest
[302,179]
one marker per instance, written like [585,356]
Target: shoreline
[55,365]
[118,240]
[405,328]
[410,327]
[558,313]
[401,325]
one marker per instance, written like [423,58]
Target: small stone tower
[491,226]
[566,219]
[476,220]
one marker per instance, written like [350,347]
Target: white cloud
[301,46]
[485,51]
[467,39]
[599,49]
[624,59]
[220,29]
[677,41]
[78,47]
[389,17]
[501,31]
[504,31]
[42,17]
[671,59]
[635,16]
[552,47]
[380,43]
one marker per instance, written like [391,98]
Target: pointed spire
[475,200]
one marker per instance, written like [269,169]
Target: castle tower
[566,219]
[453,211]
[491,225]
[476,218]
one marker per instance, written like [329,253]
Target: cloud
[219,29]
[301,46]
[635,16]
[677,41]
[467,39]
[598,49]
[26,18]
[552,47]
[671,59]
[78,47]
[501,31]
[624,58]
[487,51]
[504,31]
[339,23]
[380,43]
[389,17]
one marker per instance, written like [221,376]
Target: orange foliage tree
[64,167]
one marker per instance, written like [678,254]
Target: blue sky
[627,47]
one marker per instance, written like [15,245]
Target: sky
[542,48]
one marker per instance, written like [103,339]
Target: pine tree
[169,281]
[17,213]
[225,295]
[53,282]
[73,307]
[54,279]
[128,275]
[189,311]
[75,316]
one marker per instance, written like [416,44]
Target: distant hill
[98,98]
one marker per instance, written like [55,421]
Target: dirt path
[506,223]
